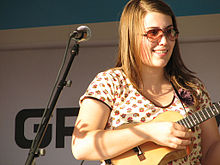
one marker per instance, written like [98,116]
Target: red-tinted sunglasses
[156,34]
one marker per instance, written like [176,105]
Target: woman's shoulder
[112,74]
[201,88]
[202,95]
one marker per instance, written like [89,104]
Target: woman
[149,79]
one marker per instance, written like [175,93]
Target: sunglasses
[156,34]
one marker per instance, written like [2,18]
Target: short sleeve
[101,88]
[204,100]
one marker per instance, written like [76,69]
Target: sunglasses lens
[155,34]
[171,34]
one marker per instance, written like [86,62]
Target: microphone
[82,33]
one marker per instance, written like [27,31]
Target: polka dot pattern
[128,105]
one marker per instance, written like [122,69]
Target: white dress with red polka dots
[127,105]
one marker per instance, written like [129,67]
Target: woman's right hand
[169,134]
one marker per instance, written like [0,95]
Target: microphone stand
[34,150]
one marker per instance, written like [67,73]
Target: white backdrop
[29,62]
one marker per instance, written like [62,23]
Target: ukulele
[150,153]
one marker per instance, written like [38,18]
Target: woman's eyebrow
[152,27]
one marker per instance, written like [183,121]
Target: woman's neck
[156,87]
[153,76]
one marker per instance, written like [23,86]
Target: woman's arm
[91,142]
[210,143]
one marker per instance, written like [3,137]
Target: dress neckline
[145,98]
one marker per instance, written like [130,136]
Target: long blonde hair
[130,29]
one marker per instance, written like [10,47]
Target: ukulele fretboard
[200,116]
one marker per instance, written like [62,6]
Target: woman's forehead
[157,20]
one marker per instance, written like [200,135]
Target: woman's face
[156,52]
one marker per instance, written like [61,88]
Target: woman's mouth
[161,52]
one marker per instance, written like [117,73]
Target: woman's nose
[163,40]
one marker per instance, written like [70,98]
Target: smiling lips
[161,52]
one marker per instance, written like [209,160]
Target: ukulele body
[154,154]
